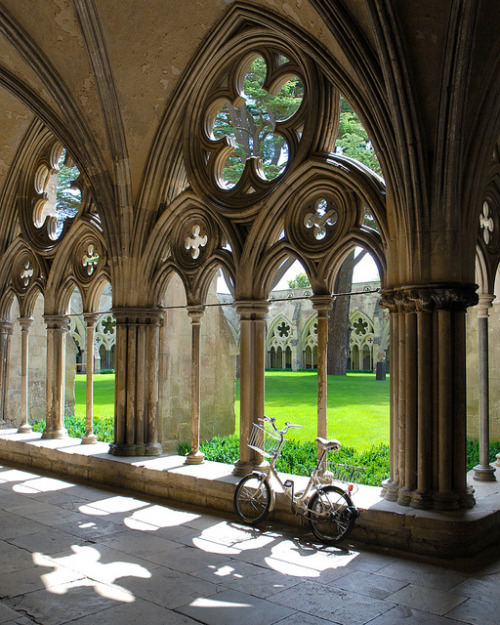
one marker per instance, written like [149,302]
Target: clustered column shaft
[5,332]
[57,326]
[25,323]
[252,377]
[195,456]
[322,305]
[484,471]
[428,406]
[136,382]
[89,438]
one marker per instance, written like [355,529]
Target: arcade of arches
[122,163]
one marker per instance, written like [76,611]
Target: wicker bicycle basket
[264,440]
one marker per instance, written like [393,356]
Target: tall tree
[251,126]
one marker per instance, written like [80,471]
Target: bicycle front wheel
[252,499]
[331,514]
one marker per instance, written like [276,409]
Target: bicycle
[328,507]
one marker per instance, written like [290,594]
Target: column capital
[6,327]
[249,310]
[56,322]
[322,303]
[484,304]
[137,316]
[90,318]
[196,312]
[453,297]
[25,323]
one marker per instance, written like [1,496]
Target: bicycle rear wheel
[331,514]
[252,498]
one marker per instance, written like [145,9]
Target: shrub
[76,426]
[300,458]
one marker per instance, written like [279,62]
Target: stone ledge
[211,485]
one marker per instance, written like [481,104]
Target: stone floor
[72,553]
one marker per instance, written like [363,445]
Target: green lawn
[104,395]
[357,412]
[358,405]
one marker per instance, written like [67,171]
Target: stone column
[252,377]
[483,471]
[322,304]
[57,327]
[428,404]
[89,438]
[195,456]
[136,382]
[5,332]
[25,323]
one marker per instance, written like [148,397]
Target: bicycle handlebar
[271,420]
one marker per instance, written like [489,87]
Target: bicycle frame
[298,501]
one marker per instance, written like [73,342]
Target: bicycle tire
[252,499]
[337,525]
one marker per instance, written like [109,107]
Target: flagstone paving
[71,553]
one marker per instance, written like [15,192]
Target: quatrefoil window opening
[195,241]
[250,128]
[486,223]
[61,199]
[90,259]
[26,273]
[321,219]
[108,325]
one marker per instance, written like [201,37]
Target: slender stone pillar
[428,404]
[136,382]
[5,333]
[89,438]
[25,323]
[322,304]
[195,456]
[484,472]
[57,327]
[252,378]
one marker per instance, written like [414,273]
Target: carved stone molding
[430,297]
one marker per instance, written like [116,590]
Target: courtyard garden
[358,416]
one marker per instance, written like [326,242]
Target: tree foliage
[68,197]
[353,139]
[301,281]
[251,127]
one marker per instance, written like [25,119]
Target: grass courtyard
[358,405]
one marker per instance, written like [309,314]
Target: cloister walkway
[79,554]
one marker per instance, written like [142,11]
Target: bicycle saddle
[329,445]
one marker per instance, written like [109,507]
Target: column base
[61,433]
[420,500]
[428,500]
[196,457]
[118,449]
[25,428]
[404,497]
[242,468]
[484,473]
[389,490]
[89,439]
